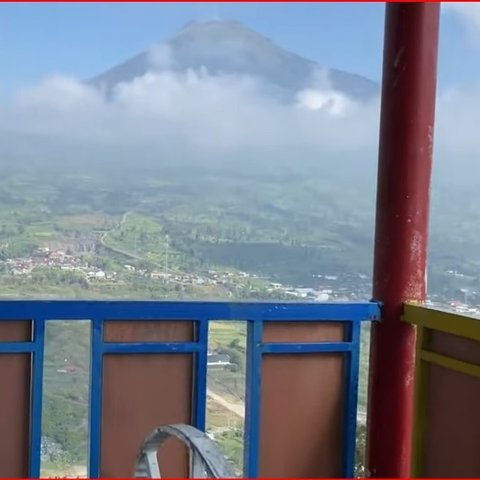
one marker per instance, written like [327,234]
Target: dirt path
[235,408]
[240,411]
[115,249]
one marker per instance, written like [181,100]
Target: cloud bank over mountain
[218,113]
[185,102]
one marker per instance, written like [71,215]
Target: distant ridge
[229,47]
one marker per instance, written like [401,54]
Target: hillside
[226,47]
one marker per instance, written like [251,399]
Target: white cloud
[165,114]
[222,114]
[58,93]
[458,117]
[469,14]
[329,101]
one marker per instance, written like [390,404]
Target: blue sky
[37,40]
[173,114]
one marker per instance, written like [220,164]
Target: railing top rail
[187,310]
[445,321]
[108,348]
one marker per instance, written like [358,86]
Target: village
[43,257]
[327,287]
[67,259]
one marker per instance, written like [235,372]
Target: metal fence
[447,391]
[258,317]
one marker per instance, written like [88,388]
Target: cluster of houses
[45,258]
[210,277]
[215,359]
[57,258]
[454,306]
[332,287]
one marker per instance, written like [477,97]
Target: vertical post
[350,412]
[405,159]
[96,393]
[253,389]
[37,398]
[200,375]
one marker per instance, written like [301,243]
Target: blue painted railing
[254,314]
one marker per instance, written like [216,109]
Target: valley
[215,165]
[168,236]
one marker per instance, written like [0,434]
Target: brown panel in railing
[451,441]
[148,331]
[454,346]
[291,332]
[301,415]
[142,392]
[15,370]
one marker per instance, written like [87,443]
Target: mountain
[226,47]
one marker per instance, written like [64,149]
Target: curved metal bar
[206,461]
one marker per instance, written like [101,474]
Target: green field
[282,225]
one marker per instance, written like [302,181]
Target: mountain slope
[223,47]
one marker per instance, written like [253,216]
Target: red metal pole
[404,171]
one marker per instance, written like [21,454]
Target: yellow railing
[439,342]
